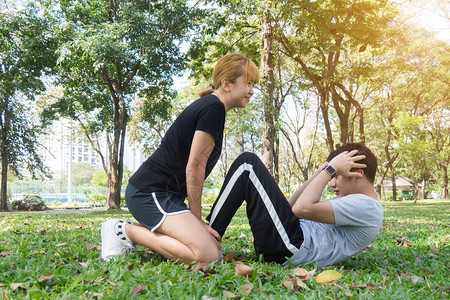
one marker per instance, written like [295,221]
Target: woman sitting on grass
[177,169]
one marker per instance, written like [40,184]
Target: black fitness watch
[330,170]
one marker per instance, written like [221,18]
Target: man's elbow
[300,211]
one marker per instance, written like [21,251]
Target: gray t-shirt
[358,220]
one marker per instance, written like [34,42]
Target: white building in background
[57,150]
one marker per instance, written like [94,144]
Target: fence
[55,195]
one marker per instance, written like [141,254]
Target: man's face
[342,186]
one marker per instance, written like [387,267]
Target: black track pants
[276,230]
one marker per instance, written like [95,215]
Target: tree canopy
[109,53]
[27,53]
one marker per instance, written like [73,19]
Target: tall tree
[26,53]
[320,36]
[110,52]
[412,84]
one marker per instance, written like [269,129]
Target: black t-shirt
[165,169]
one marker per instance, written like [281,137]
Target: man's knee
[248,157]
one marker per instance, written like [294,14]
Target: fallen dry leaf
[44,278]
[365,285]
[15,286]
[243,270]
[434,247]
[312,272]
[84,265]
[243,236]
[139,289]
[288,284]
[201,267]
[246,288]
[90,245]
[414,279]
[301,273]
[5,253]
[110,282]
[93,295]
[228,257]
[328,275]
[229,294]
[295,284]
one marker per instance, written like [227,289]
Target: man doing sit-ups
[305,229]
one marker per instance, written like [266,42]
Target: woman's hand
[215,234]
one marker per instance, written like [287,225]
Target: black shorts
[151,209]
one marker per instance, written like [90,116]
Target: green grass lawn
[57,256]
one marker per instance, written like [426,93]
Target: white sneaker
[114,239]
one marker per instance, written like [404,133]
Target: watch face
[331,171]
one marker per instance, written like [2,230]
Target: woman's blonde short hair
[231,67]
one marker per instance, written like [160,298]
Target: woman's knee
[207,255]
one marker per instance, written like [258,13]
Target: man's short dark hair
[370,161]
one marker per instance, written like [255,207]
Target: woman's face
[240,92]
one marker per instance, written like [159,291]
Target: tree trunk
[113,193]
[422,190]
[224,157]
[116,146]
[116,157]
[4,181]
[416,183]
[4,153]
[382,173]
[379,184]
[276,158]
[445,188]
[324,104]
[343,115]
[268,86]
[240,141]
[394,185]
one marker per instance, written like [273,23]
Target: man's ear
[360,171]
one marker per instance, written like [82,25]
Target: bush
[98,200]
[30,203]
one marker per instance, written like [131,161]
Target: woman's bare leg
[181,237]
